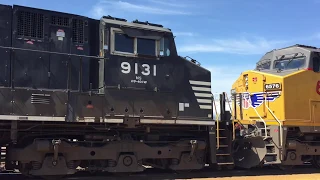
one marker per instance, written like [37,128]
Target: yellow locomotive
[276,109]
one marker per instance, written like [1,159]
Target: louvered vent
[30,24]
[60,21]
[77,31]
[40,99]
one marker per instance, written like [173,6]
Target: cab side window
[316,64]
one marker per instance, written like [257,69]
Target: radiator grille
[60,21]
[77,31]
[30,24]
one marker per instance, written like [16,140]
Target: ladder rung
[222,129]
[272,162]
[223,154]
[271,154]
[223,145]
[269,144]
[226,163]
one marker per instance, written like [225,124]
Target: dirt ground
[270,177]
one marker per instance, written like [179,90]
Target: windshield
[286,64]
[263,66]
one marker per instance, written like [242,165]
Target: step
[226,163]
[272,162]
[222,137]
[270,145]
[223,154]
[222,145]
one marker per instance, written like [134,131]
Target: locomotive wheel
[316,161]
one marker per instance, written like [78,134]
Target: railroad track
[156,174]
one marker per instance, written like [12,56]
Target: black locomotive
[101,94]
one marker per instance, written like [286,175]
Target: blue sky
[225,36]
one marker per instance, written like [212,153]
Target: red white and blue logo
[255,100]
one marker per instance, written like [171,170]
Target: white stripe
[156,121]
[31,118]
[200,83]
[201,89]
[207,101]
[92,119]
[202,95]
[209,122]
[205,107]
[113,120]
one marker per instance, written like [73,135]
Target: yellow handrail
[218,131]
[261,120]
[217,121]
[231,110]
[280,124]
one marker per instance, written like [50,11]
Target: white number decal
[126,68]
[146,68]
[135,68]
[273,86]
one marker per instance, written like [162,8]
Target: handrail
[280,124]
[217,121]
[228,103]
[218,131]
[53,52]
[233,128]
[264,122]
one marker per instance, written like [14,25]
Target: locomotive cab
[140,50]
[143,76]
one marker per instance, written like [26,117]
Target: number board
[138,74]
[272,86]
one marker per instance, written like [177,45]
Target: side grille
[77,31]
[30,24]
[60,21]
[40,99]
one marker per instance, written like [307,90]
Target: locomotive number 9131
[144,69]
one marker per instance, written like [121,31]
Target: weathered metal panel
[39,103]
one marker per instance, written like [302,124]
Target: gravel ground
[274,177]
[301,173]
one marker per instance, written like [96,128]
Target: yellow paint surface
[297,105]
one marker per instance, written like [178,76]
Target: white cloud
[184,34]
[243,45]
[169,3]
[105,7]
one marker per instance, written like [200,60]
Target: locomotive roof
[134,24]
[289,50]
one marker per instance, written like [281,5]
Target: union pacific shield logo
[255,100]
